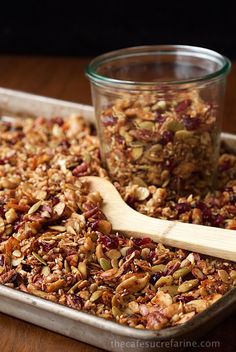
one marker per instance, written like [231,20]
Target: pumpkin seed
[174,126]
[181,272]
[105,264]
[152,153]
[188,285]
[158,268]
[136,153]
[113,254]
[116,312]
[138,181]
[40,259]
[224,276]
[83,269]
[96,295]
[159,105]
[183,134]
[171,289]
[164,281]
[147,125]
[74,287]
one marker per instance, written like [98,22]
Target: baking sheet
[80,325]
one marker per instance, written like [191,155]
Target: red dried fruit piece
[46,246]
[183,207]
[184,299]
[160,118]
[81,170]
[183,105]
[2,212]
[65,144]
[191,123]
[217,220]
[167,137]
[142,241]
[58,120]
[224,166]
[108,120]
[155,277]
[110,242]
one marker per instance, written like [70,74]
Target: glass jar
[159,112]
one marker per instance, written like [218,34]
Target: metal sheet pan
[80,325]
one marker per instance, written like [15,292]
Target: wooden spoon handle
[212,241]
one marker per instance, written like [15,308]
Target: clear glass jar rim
[186,50]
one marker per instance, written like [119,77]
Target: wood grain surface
[63,78]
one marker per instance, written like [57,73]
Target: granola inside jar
[159,112]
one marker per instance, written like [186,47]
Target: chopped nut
[11,216]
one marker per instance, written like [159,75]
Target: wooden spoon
[208,240]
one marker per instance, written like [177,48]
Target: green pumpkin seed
[40,259]
[174,126]
[105,264]
[188,285]
[136,153]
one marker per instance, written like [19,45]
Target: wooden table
[63,78]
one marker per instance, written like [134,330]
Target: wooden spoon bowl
[208,240]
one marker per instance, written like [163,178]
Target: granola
[56,243]
[172,140]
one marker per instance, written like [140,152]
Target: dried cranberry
[58,120]
[77,300]
[26,267]
[160,118]
[233,199]
[184,299]
[191,123]
[167,137]
[3,161]
[142,241]
[55,200]
[224,166]
[2,212]
[1,259]
[217,220]
[183,105]
[200,205]
[206,215]
[155,277]
[109,120]
[170,164]
[131,200]
[131,250]
[65,144]
[109,242]
[80,170]
[183,207]
[46,246]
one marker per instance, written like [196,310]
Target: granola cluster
[56,243]
[169,141]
